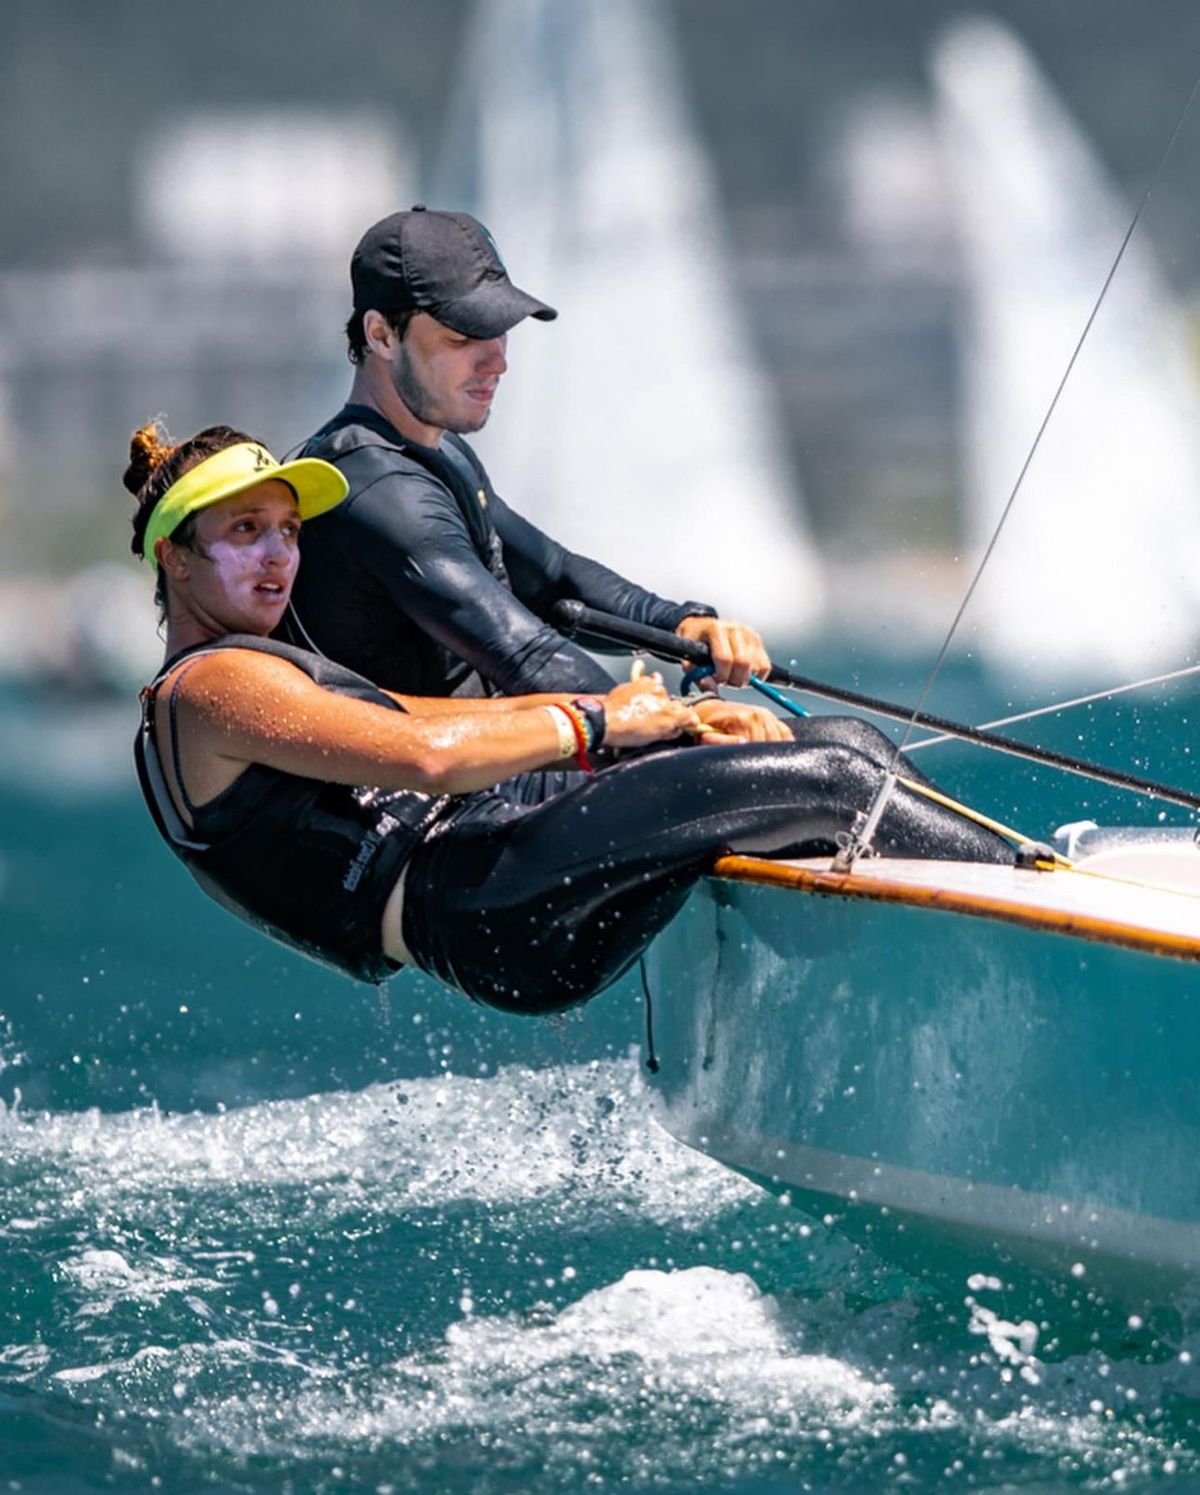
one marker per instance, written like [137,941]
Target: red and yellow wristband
[584,717]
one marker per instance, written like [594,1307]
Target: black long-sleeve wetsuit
[425,581]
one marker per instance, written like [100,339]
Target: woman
[254,755]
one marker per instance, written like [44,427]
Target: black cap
[446,264]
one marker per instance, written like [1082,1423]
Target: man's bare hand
[737,651]
[728,721]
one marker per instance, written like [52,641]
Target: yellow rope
[1059,862]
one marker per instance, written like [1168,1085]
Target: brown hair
[154,464]
[356,342]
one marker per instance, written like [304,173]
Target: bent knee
[845,732]
[834,771]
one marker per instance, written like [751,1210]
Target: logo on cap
[492,245]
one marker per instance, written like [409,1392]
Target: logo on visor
[262,460]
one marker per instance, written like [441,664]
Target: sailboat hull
[972,1070]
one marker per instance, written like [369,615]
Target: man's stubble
[423,404]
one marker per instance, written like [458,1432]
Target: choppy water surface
[510,1282]
[259,1230]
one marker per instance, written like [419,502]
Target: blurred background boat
[1097,574]
[641,429]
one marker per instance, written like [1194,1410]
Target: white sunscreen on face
[269,556]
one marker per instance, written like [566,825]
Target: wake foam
[639,1370]
[204,1275]
[520,1136]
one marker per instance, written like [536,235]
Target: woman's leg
[533,910]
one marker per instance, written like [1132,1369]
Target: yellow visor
[317,485]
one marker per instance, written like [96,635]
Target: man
[424,580]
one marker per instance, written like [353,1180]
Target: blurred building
[231,310]
[231,303]
[183,237]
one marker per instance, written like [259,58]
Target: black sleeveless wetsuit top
[309,862]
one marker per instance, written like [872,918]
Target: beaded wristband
[591,708]
[579,725]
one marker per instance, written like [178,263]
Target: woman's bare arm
[238,707]
[472,705]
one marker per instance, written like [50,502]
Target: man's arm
[544,572]
[406,529]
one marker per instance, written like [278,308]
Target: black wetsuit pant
[537,909]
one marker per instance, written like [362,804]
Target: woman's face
[244,558]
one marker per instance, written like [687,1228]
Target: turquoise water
[261,1230]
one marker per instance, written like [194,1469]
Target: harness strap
[162,806]
[148,761]
[173,718]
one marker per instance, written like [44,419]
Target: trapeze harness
[527,909]
[310,863]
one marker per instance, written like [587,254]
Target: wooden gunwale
[1029,912]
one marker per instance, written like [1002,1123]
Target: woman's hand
[641,711]
[729,722]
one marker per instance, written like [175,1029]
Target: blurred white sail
[637,428]
[1098,570]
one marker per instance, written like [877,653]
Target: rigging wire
[859,839]
[1056,706]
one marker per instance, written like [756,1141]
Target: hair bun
[149,447]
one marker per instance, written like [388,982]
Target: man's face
[447,380]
